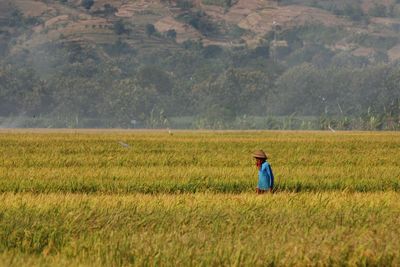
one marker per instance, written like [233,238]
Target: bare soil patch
[394,53]
[31,8]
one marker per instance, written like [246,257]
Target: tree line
[216,87]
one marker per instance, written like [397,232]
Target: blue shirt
[265,177]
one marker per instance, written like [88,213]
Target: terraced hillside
[224,23]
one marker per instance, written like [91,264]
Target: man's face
[258,162]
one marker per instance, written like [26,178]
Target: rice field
[153,198]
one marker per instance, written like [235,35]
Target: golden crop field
[150,198]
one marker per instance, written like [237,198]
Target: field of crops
[117,198]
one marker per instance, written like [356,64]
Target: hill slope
[213,22]
[211,62]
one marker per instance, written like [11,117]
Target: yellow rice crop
[82,198]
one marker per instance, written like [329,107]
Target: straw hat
[259,154]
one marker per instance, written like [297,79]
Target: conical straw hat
[259,154]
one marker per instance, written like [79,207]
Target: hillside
[310,64]
[213,22]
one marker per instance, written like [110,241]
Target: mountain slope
[240,23]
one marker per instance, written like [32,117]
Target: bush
[119,27]
[378,10]
[212,51]
[354,12]
[200,21]
[260,51]
[171,34]
[221,3]
[150,29]
[87,4]
[109,9]
[184,4]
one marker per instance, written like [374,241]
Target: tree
[150,29]
[21,91]
[378,10]
[119,27]
[87,4]
[391,94]
[354,11]
[16,19]
[212,51]
[171,34]
[109,9]
[127,100]
[77,96]
[154,76]
[233,92]
[260,51]
[184,4]
[301,89]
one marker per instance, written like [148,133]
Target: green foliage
[21,91]
[222,3]
[184,4]
[227,95]
[120,47]
[378,10]
[193,45]
[212,51]
[18,20]
[109,9]
[119,27]
[318,55]
[261,51]
[150,29]
[236,32]
[354,12]
[346,60]
[171,34]
[200,21]
[127,101]
[302,86]
[154,76]
[87,4]
[216,86]
[375,41]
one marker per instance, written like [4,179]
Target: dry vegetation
[254,16]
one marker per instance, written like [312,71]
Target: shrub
[150,29]
[87,4]
[200,21]
[171,34]
[378,10]
[184,4]
[119,27]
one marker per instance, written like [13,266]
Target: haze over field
[288,64]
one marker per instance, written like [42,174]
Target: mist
[140,76]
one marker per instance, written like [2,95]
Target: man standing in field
[265,175]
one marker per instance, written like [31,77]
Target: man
[265,175]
